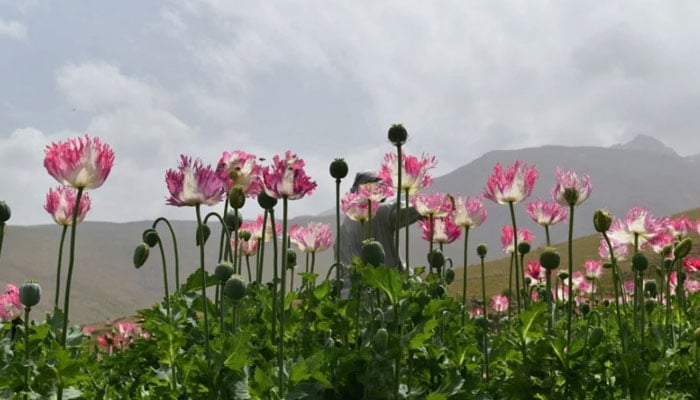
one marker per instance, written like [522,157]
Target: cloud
[12,29]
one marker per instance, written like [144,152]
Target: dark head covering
[364,177]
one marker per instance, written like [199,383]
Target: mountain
[105,284]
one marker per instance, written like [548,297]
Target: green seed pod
[339,168]
[563,275]
[397,134]
[223,271]
[266,201]
[683,248]
[233,220]
[150,237]
[372,253]
[436,259]
[244,235]
[650,288]
[596,336]
[607,265]
[482,322]
[449,276]
[5,212]
[524,247]
[549,259]
[380,341]
[602,220]
[140,255]
[640,262]
[585,308]
[205,231]
[235,288]
[481,250]
[291,258]
[236,197]
[30,293]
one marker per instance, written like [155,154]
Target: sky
[326,79]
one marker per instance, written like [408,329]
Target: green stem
[280,359]
[486,339]
[247,267]
[515,247]
[337,229]
[616,287]
[165,281]
[464,276]
[58,266]
[397,361]
[26,351]
[2,235]
[431,220]
[222,253]
[71,263]
[177,257]
[546,233]
[571,278]
[408,246]
[399,165]
[369,219]
[275,271]
[205,306]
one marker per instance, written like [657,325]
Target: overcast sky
[326,79]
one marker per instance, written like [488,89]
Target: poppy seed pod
[372,253]
[202,234]
[235,288]
[150,237]
[380,340]
[236,197]
[339,168]
[245,235]
[524,247]
[449,276]
[140,255]
[223,271]
[5,212]
[640,262]
[596,336]
[549,259]
[481,250]
[397,134]
[602,220]
[436,259]
[650,288]
[291,258]
[233,220]
[30,293]
[683,248]
[266,201]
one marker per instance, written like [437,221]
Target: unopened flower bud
[683,248]
[5,212]
[235,288]
[602,220]
[236,197]
[640,262]
[203,232]
[372,253]
[549,259]
[339,168]
[524,247]
[150,237]
[380,340]
[650,288]
[140,255]
[596,336]
[436,259]
[223,271]
[291,258]
[449,276]
[30,293]
[397,134]
[481,250]
[585,308]
[266,201]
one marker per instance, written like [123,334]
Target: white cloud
[13,29]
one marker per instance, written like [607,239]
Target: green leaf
[237,349]
[436,396]
[386,279]
[418,339]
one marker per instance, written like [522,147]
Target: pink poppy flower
[193,184]
[499,303]
[123,334]
[546,213]
[639,223]
[356,207]
[437,205]
[256,229]
[679,227]
[375,192]
[512,186]
[570,190]
[469,211]
[594,269]
[535,271]
[620,250]
[286,178]
[247,247]
[312,238]
[691,285]
[444,230]
[60,203]
[414,172]
[507,239]
[82,163]
[691,264]
[242,169]
[10,306]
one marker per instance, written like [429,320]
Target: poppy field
[624,325]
